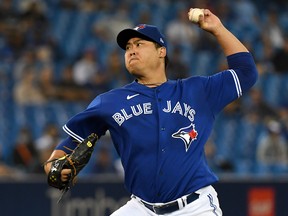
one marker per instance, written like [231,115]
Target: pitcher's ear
[162,52]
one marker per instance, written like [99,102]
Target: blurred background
[57,55]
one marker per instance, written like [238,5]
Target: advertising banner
[101,196]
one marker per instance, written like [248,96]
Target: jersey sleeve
[245,68]
[226,86]
[89,121]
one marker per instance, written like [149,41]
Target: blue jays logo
[187,134]
[141,26]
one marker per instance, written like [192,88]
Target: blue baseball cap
[144,31]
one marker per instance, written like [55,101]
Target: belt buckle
[184,201]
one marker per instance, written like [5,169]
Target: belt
[171,206]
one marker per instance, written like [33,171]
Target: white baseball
[194,14]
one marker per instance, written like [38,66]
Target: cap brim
[125,35]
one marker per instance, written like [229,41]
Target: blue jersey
[160,132]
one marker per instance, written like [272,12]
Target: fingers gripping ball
[194,14]
[75,161]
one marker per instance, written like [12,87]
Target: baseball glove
[75,161]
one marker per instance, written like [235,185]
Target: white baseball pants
[206,205]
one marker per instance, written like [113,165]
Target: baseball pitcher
[158,126]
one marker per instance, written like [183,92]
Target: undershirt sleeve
[67,145]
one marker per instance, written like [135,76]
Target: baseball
[194,14]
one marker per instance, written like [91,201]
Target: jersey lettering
[125,114]
[168,109]
[188,111]
[146,109]
[187,108]
[192,113]
[139,112]
[120,118]
[178,109]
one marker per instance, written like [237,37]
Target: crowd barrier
[101,195]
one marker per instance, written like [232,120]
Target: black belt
[171,206]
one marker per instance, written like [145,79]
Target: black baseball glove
[75,161]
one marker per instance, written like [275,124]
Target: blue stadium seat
[235,137]
[271,88]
